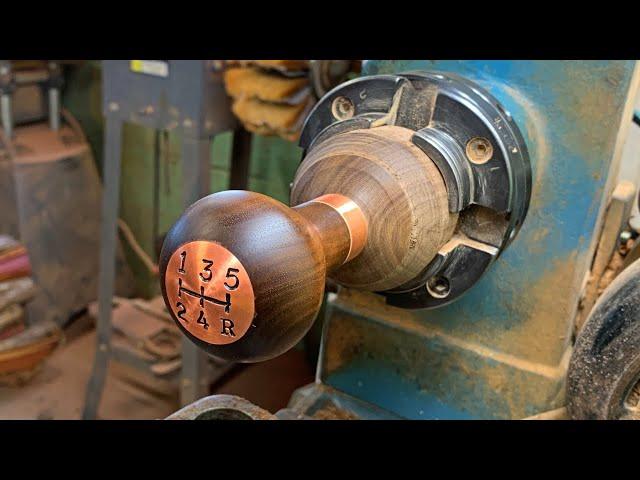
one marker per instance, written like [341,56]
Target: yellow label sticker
[158,68]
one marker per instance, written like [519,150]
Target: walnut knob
[243,275]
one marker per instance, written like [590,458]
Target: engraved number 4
[202,320]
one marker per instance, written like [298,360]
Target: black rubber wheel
[603,381]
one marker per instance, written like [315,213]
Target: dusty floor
[57,391]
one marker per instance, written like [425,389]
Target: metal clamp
[475,144]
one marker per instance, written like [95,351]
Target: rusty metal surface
[222,407]
[501,350]
[312,402]
[38,144]
[202,281]
[321,402]
[55,200]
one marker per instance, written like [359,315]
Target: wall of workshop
[273,165]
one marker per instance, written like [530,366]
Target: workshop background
[51,383]
[54,363]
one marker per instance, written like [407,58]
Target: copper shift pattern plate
[209,292]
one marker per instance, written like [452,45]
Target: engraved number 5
[231,274]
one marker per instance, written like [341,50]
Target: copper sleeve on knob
[341,224]
[353,218]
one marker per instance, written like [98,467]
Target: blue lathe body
[501,348]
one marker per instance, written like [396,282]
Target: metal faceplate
[475,144]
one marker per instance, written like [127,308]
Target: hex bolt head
[479,150]
[439,287]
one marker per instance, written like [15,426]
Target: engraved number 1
[183,255]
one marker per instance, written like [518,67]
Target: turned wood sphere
[284,262]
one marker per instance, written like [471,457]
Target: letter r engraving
[227,327]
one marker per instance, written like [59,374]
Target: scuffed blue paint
[384,387]
[572,184]
[569,114]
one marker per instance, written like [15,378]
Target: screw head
[479,150]
[439,287]
[342,108]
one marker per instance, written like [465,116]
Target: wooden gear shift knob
[243,275]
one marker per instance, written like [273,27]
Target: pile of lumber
[23,347]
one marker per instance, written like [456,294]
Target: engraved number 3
[207,270]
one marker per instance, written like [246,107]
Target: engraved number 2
[207,270]
[182,311]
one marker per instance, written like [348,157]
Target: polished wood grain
[400,191]
[286,253]
[330,229]
[370,210]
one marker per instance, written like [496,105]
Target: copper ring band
[353,217]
